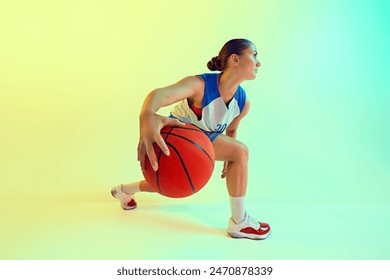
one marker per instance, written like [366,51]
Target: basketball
[188,167]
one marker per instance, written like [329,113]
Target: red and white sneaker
[127,200]
[249,228]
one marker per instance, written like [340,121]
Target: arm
[231,131]
[161,97]
[151,123]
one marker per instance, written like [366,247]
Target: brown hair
[234,46]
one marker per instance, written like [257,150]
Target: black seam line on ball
[184,167]
[195,144]
[158,161]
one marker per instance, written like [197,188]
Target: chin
[251,77]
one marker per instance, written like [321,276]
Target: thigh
[228,149]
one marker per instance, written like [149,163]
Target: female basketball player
[215,103]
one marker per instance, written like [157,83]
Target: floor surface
[95,227]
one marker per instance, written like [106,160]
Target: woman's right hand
[150,127]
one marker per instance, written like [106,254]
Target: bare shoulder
[196,84]
[186,87]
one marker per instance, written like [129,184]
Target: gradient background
[73,76]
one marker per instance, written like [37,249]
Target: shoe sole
[249,236]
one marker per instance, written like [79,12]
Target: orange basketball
[188,167]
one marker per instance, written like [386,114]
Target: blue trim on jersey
[240,96]
[211,91]
[216,114]
[211,135]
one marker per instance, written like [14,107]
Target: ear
[234,59]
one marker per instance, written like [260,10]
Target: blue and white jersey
[216,115]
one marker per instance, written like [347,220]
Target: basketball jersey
[216,115]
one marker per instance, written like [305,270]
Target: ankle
[237,208]
[130,188]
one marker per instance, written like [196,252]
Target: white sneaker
[127,200]
[249,228]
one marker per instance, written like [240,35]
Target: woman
[214,103]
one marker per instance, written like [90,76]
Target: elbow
[151,103]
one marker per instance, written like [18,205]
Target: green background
[74,75]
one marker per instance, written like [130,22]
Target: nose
[258,64]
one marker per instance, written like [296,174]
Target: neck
[228,84]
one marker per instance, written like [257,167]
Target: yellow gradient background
[74,75]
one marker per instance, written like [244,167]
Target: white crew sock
[131,188]
[238,209]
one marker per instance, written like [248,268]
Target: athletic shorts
[212,135]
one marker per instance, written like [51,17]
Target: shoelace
[130,194]
[252,222]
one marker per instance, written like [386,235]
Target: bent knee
[240,152]
[229,149]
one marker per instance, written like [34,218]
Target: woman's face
[248,63]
